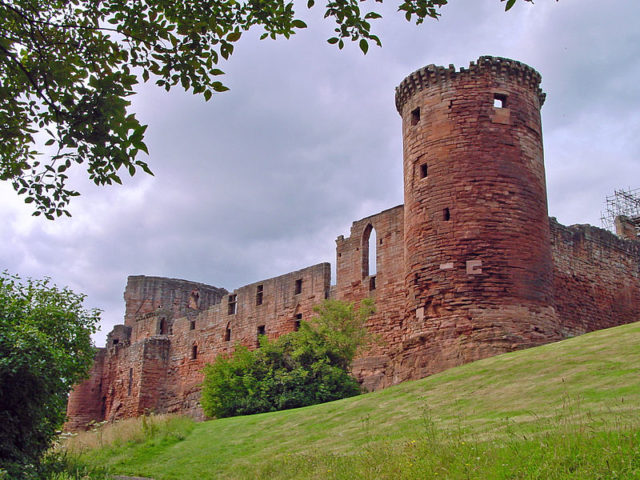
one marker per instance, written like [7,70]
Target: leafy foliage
[299,368]
[45,348]
[68,68]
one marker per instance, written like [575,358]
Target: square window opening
[499,100]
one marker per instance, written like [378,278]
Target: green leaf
[234,36]
[364,46]
[510,3]
[333,40]
[298,24]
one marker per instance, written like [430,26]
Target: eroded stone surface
[470,266]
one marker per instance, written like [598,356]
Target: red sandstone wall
[596,278]
[121,378]
[477,254]
[144,370]
[146,295]
[277,314]
[353,285]
[493,274]
[85,401]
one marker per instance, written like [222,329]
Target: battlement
[497,66]
[468,267]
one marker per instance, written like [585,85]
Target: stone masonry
[470,266]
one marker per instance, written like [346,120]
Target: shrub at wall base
[300,368]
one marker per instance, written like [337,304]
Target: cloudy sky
[260,180]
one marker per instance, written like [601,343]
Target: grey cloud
[262,179]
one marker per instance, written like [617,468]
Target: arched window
[369,251]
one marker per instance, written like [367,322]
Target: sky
[260,180]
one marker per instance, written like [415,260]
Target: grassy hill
[565,410]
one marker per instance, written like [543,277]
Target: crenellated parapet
[432,75]
[468,267]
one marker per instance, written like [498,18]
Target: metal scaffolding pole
[622,202]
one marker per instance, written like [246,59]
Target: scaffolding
[622,203]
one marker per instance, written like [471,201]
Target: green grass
[564,410]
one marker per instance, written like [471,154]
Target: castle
[470,266]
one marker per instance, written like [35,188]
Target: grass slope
[564,410]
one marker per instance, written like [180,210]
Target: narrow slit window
[192,325]
[298,287]
[194,352]
[163,327]
[372,282]
[499,100]
[261,333]
[227,334]
[130,381]
[296,323]
[415,116]
[259,292]
[446,215]
[423,170]
[233,302]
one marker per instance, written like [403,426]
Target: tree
[300,368]
[45,348]
[68,67]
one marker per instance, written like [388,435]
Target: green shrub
[45,348]
[300,368]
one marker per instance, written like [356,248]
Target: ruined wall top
[432,75]
[144,295]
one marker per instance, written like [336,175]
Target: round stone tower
[477,247]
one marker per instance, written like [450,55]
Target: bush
[299,368]
[45,348]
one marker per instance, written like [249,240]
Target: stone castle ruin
[469,267]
